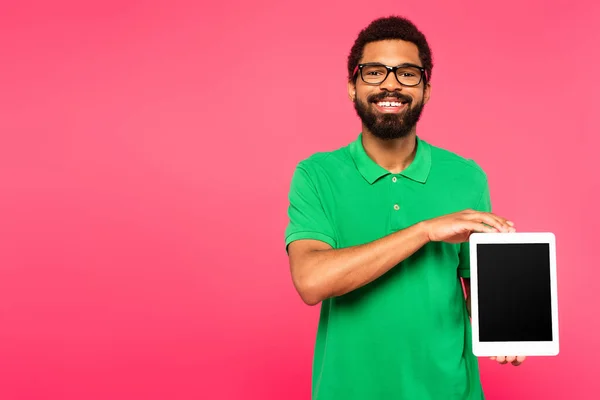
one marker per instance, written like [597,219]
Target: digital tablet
[514,304]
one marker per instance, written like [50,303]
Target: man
[378,234]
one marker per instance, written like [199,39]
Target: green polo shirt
[406,335]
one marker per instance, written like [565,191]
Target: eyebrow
[399,65]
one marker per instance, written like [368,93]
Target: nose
[390,83]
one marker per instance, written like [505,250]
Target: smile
[390,106]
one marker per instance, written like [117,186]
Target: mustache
[374,98]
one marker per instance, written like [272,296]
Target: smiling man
[378,235]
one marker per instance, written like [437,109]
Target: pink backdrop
[145,157]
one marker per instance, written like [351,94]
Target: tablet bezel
[524,348]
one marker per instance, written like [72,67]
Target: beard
[388,126]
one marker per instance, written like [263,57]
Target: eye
[374,70]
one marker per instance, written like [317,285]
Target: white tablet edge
[486,349]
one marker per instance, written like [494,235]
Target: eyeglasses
[376,73]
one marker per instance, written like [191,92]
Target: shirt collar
[418,170]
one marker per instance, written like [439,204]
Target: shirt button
[396,207]
[394,179]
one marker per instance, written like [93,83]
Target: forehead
[391,52]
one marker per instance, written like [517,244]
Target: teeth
[389,104]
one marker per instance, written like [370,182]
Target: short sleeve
[464,264]
[307,217]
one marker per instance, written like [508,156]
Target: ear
[351,91]
[427,93]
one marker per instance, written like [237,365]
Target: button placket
[396,217]
[396,206]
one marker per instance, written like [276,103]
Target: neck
[395,155]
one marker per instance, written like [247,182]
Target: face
[389,110]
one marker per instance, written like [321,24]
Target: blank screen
[514,292]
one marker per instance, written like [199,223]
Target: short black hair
[393,27]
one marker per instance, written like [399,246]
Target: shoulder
[325,162]
[458,165]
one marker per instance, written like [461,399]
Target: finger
[501,359]
[493,358]
[501,224]
[496,221]
[511,359]
[511,226]
[518,361]
[477,227]
[486,218]
[491,220]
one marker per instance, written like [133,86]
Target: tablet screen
[514,292]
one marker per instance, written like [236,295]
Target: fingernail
[510,223]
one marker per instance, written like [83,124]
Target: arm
[467,283]
[320,272]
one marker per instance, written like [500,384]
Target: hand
[457,227]
[514,360]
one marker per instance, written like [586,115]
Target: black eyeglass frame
[358,69]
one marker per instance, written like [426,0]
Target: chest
[364,212]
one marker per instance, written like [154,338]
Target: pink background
[145,157]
